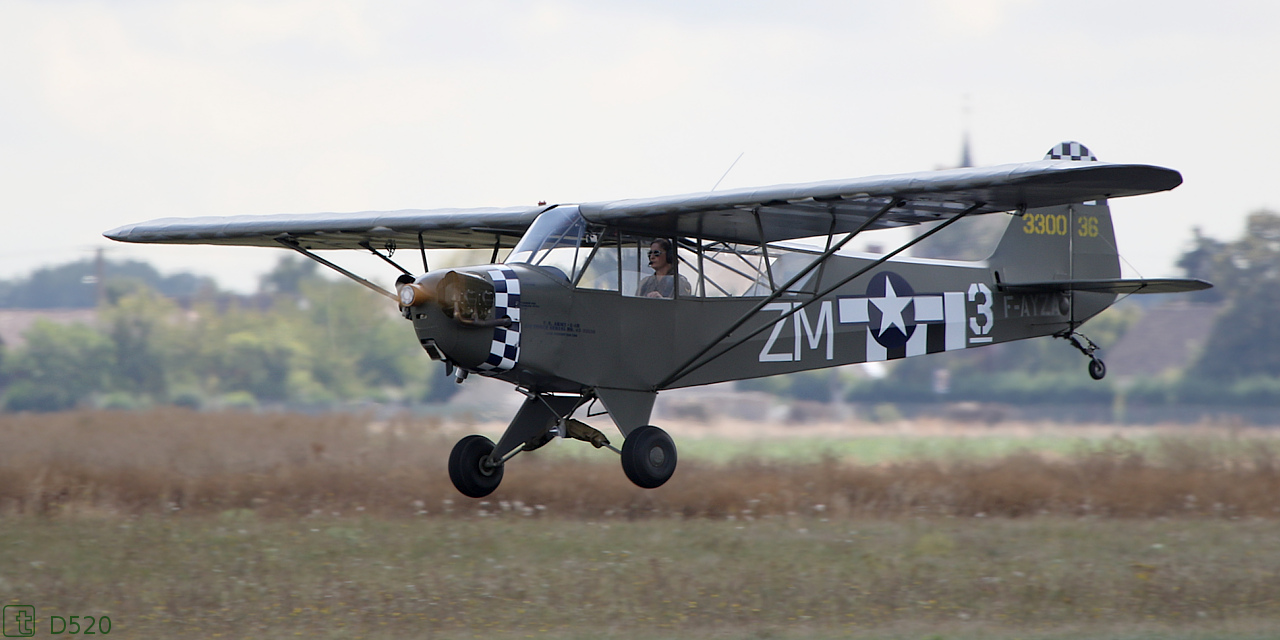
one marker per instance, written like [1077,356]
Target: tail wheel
[469,467]
[1097,370]
[648,457]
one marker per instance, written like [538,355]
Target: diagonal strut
[689,366]
[684,369]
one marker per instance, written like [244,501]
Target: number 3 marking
[981,330]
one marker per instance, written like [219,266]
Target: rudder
[1065,242]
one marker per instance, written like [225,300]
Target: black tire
[1097,370]
[467,470]
[648,457]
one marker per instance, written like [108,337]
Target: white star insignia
[891,308]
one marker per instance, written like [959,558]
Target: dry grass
[168,461]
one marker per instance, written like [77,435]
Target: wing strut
[386,258]
[290,242]
[422,248]
[764,247]
[685,368]
[689,366]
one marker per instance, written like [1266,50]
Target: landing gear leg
[1097,368]
[475,465]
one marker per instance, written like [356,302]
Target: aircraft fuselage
[572,339]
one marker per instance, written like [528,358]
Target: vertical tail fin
[1070,242]
[1066,242]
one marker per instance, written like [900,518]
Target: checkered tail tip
[504,351]
[1070,151]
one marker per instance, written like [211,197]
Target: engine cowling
[467,317]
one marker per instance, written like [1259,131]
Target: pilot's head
[660,258]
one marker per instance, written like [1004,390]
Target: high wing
[439,229]
[781,212]
[804,210]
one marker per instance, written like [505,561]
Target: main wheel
[648,457]
[1097,370]
[469,469]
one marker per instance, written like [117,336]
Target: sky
[114,112]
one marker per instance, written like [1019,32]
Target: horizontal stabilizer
[1109,285]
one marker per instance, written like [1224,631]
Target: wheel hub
[657,456]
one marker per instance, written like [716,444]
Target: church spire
[966,157]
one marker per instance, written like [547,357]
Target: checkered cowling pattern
[504,352]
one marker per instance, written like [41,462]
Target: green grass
[509,575]
[867,449]
[880,448]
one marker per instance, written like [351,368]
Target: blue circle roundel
[891,315]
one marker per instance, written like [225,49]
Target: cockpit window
[557,241]
[591,256]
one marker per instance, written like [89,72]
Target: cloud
[973,18]
[123,111]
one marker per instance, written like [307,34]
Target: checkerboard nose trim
[1070,151]
[504,351]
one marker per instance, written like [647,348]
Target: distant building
[14,323]
[1166,339]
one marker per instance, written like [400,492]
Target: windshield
[562,243]
[556,241]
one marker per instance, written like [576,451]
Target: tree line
[302,340]
[306,340]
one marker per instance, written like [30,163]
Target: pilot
[662,283]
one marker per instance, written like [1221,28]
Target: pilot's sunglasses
[655,253]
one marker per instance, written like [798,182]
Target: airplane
[613,302]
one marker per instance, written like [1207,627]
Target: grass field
[511,576]
[183,524]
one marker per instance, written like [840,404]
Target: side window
[731,270]
[667,268]
[658,269]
